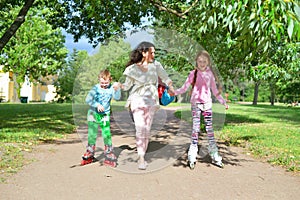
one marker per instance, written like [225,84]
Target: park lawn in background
[269,132]
[25,125]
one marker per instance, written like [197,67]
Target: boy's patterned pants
[94,121]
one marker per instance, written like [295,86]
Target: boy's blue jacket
[98,95]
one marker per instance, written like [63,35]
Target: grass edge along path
[269,132]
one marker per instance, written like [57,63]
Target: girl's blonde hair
[206,54]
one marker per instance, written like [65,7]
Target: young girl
[99,99]
[203,82]
[142,74]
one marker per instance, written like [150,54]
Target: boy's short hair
[105,74]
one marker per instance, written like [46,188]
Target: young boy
[99,98]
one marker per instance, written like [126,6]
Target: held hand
[171,91]
[116,85]
[226,106]
[120,85]
[100,108]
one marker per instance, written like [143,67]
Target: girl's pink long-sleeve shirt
[205,83]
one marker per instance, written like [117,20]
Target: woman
[142,73]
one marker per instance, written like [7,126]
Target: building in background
[40,91]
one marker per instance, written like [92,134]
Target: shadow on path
[170,139]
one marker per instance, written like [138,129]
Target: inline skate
[216,159]
[88,156]
[192,155]
[110,158]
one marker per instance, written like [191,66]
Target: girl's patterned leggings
[208,121]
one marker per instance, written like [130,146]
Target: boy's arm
[90,98]
[116,91]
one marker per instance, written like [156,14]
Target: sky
[83,44]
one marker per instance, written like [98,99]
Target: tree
[243,28]
[19,20]
[287,58]
[234,32]
[288,89]
[65,87]
[36,50]
[96,20]
[247,23]
[240,33]
[281,67]
[113,56]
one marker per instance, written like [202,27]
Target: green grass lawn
[24,125]
[270,132]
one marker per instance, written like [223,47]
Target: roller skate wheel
[85,162]
[82,162]
[110,163]
[192,165]
[221,165]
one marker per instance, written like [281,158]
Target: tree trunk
[272,98]
[255,98]
[16,24]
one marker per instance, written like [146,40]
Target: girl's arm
[185,86]
[215,91]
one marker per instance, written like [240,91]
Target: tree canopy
[239,34]
[36,49]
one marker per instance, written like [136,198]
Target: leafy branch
[20,19]
[162,7]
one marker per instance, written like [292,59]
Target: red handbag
[164,97]
[161,90]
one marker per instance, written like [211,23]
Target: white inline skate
[192,155]
[216,159]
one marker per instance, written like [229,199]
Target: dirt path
[56,174]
